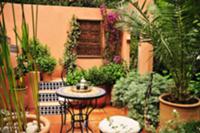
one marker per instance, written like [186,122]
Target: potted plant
[105,77]
[44,62]
[172,27]
[46,65]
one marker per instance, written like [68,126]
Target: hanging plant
[112,34]
[71,44]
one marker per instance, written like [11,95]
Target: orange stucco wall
[126,47]
[145,57]
[53,24]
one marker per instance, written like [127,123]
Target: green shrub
[46,64]
[40,53]
[79,3]
[96,76]
[38,49]
[194,87]
[74,77]
[23,65]
[104,75]
[113,72]
[130,92]
[192,127]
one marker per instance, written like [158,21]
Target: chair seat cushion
[119,124]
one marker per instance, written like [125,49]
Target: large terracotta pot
[187,112]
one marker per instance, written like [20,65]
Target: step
[50,85]
[47,108]
[48,99]
[47,95]
[48,104]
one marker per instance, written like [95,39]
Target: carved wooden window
[89,42]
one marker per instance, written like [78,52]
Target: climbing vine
[70,55]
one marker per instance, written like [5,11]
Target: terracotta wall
[53,24]
[145,57]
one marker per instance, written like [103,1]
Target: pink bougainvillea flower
[112,17]
[117,59]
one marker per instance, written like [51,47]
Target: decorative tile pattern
[50,85]
[47,96]
[48,110]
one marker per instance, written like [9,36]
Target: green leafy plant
[74,77]
[194,86]
[37,49]
[106,75]
[81,3]
[15,100]
[95,76]
[173,27]
[192,127]
[70,45]
[40,53]
[46,64]
[113,72]
[7,81]
[130,91]
[25,46]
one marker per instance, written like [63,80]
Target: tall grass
[10,100]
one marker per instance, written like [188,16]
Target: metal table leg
[63,111]
[80,111]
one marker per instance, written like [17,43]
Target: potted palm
[43,59]
[173,27]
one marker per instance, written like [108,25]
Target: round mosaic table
[79,104]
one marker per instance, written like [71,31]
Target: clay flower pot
[187,112]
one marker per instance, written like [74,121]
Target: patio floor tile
[96,116]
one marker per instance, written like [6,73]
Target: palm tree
[173,27]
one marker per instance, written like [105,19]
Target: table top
[67,92]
